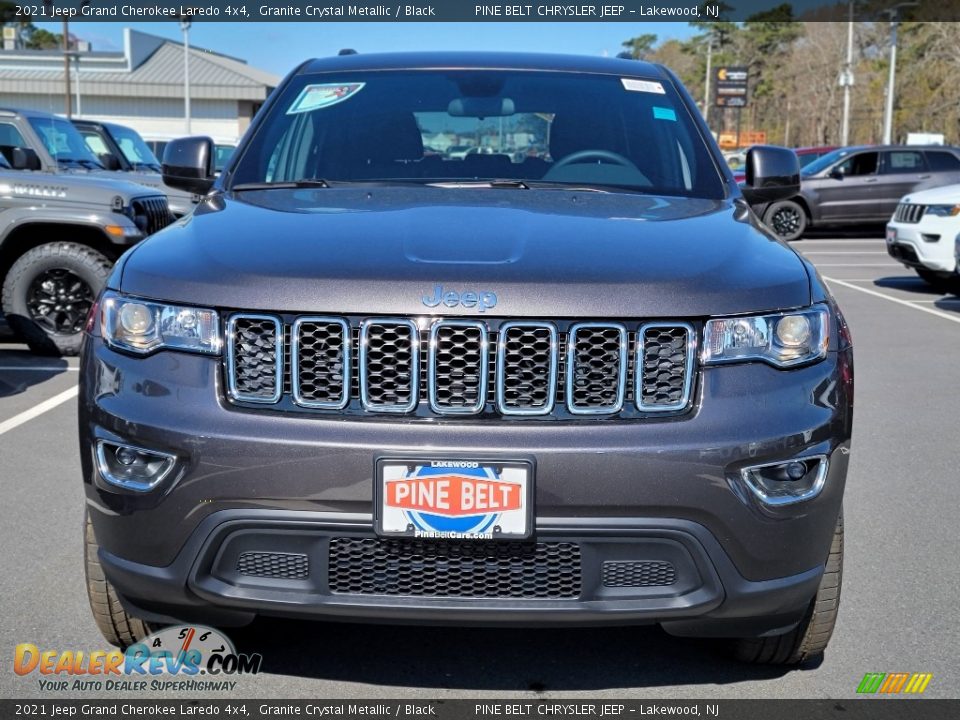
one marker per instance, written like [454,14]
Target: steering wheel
[582,155]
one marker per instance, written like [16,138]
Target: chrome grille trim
[571,370]
[231,359]
[688,367]
[461,367]
[909,213]
[551,393]
[295,362]
[414,332]
[483,372]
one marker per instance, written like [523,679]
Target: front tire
[48,293]
[811,637]
[939,282]
[787,219]
[117,626]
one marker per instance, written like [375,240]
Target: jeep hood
[180,201]
[945,195]
[545,253]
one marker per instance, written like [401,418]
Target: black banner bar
[466,10]
[873,708]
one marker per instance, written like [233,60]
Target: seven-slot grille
[909,213]
[155,211]
[461,367]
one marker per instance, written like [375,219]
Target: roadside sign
[730,86]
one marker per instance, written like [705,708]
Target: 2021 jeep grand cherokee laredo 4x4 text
[569,379]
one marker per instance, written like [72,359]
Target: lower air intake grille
[289,566]
[431,568]
[638,573]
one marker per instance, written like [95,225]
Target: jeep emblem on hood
[482,300]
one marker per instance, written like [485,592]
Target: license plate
[454,498]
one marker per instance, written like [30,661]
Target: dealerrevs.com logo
[179,657]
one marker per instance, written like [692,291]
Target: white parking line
[37,410]
[907,303]
[910,280]
[842,252]
[33,368]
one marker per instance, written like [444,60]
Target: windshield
[64,142]
[133,147]
[824,161]
[448,126]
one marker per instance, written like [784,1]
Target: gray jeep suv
[568,379]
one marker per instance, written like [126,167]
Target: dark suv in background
[567,380]
[859,186]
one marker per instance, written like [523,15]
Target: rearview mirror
[188,164]
[480,107]
[24,159]
[772,173]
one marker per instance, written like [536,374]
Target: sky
[279,47]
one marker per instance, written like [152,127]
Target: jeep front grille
[908,213]
[155,214]
[448,367]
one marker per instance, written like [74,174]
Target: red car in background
[806,155]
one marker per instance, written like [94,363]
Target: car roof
[8,111]
[482,60]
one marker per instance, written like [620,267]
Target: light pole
[66,69]
[846,82]
[894,14]
[185,27]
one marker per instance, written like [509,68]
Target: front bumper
[664,489]
[928,244]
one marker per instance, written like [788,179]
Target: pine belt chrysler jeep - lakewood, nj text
[565,379]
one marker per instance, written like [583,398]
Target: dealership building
[141,86]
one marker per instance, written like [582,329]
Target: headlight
[142,326]
[783,340]
[943,210]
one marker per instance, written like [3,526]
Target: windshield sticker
[648,86]
[315,97]
[662,113]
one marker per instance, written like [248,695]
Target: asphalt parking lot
[901,581]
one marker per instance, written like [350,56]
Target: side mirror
[772,173]
[836,173]
[109,161]
[188,164]
[25,159]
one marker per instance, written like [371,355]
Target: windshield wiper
[508,184]
[282,185]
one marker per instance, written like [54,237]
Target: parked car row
[915,190]
[73,196]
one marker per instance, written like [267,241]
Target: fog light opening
[131,467]
[785,483]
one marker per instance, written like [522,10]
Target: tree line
[794,89]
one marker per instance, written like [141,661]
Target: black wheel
[48,293]
[810,638]
[940,282]
[787,219]
[116,624]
